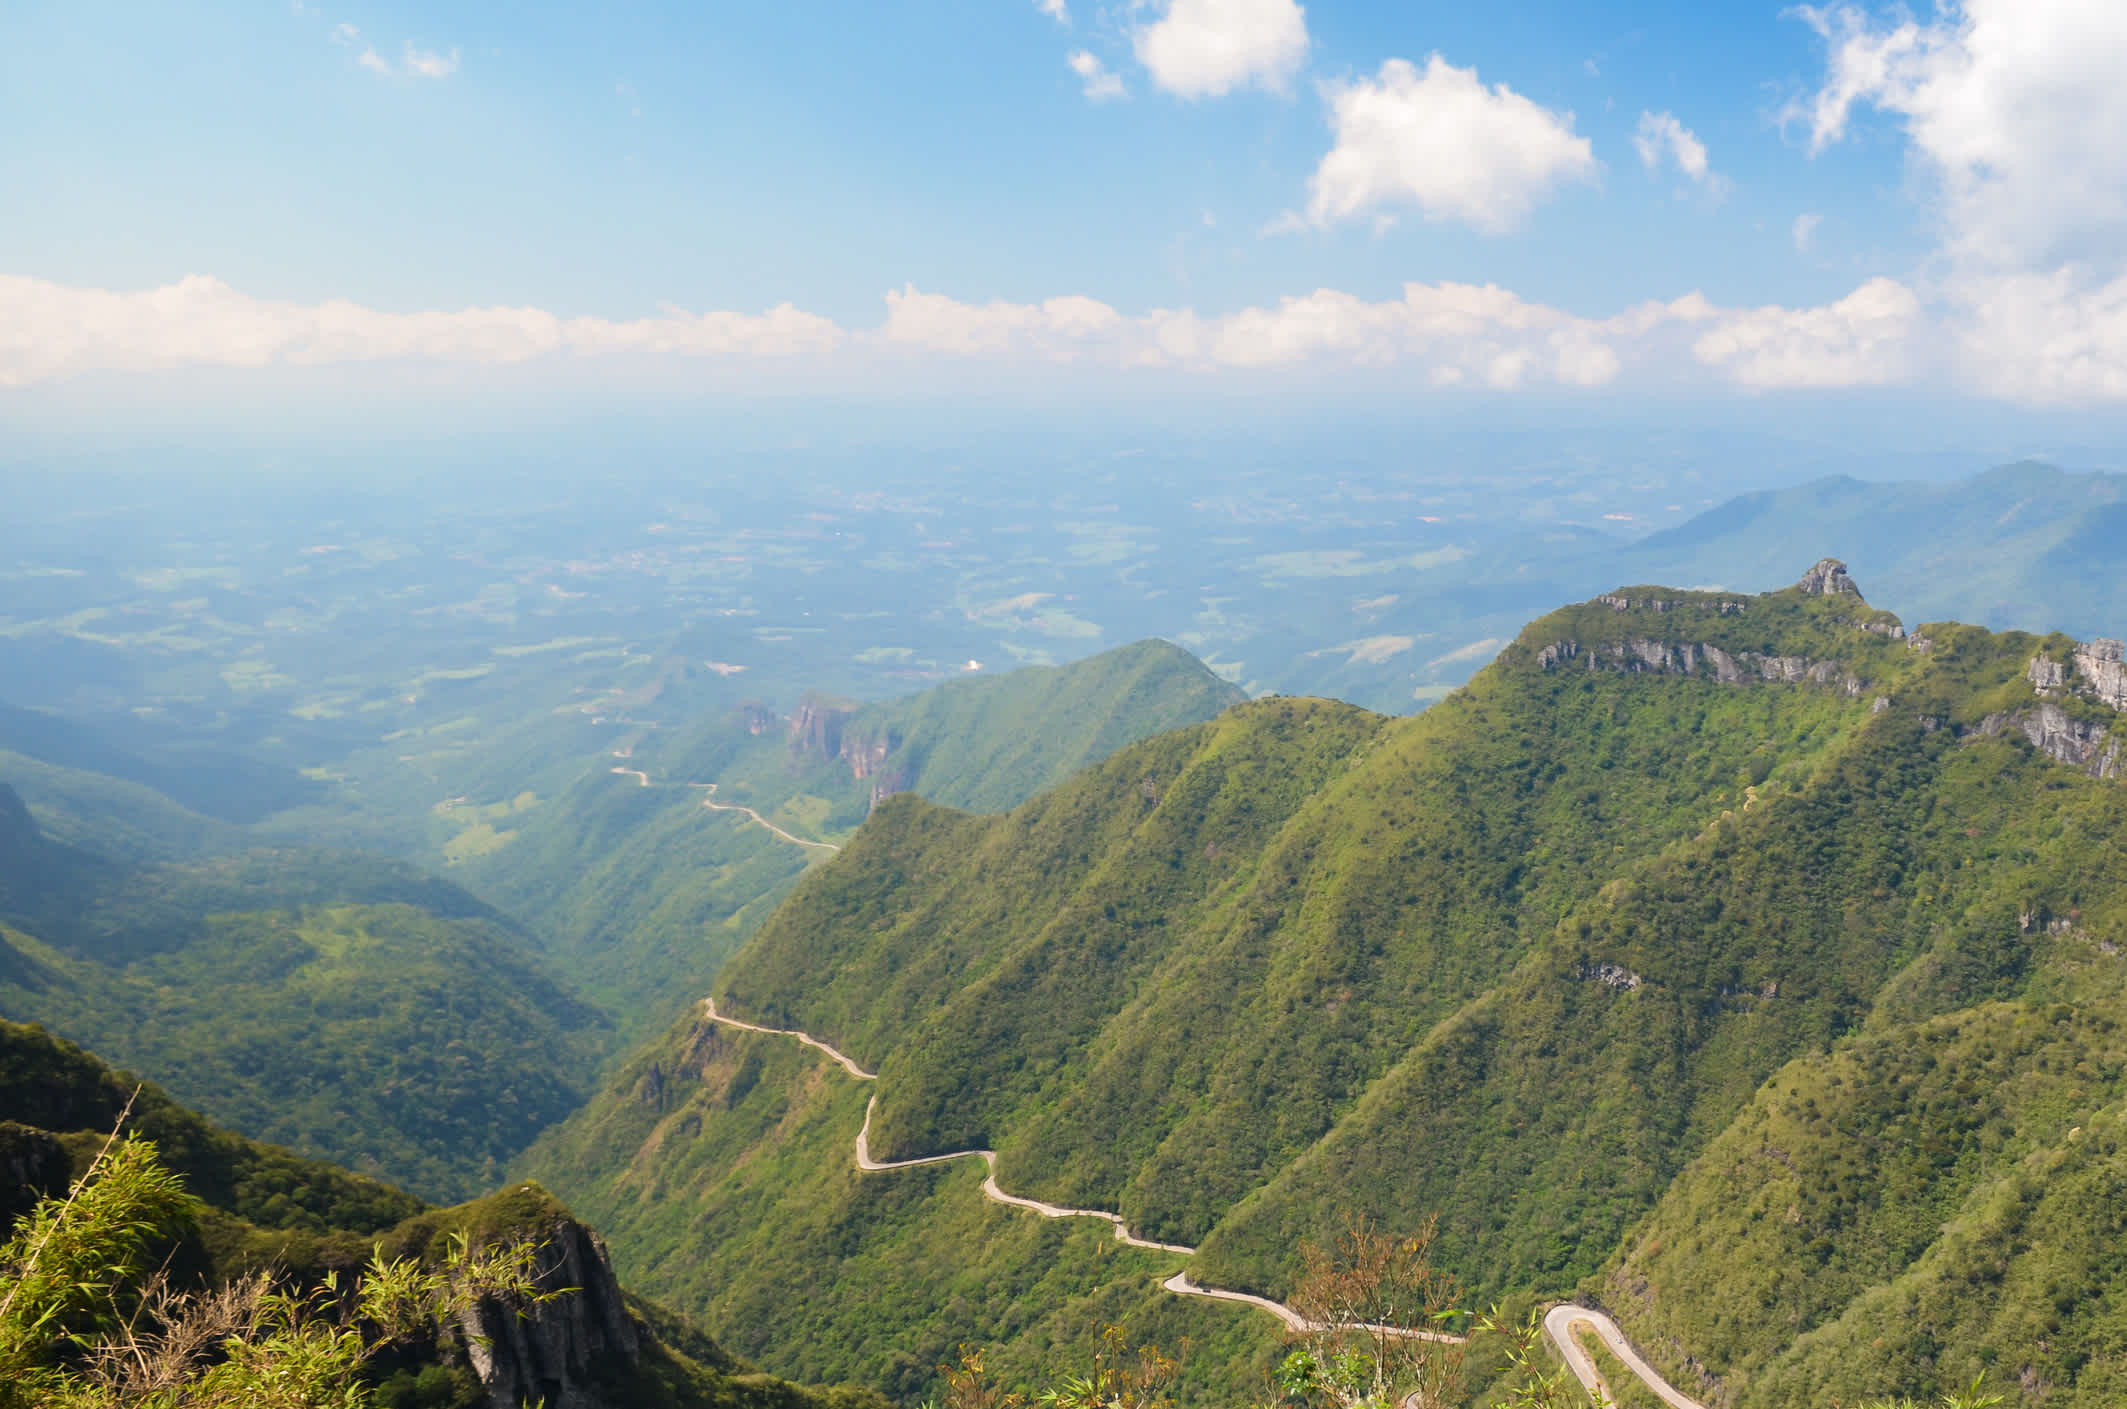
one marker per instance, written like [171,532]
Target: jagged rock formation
[551,1351]
[1828,579]
[2100,666]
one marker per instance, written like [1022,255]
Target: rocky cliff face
[552,1351]
[1643,656]
[816,729]
[2094,671]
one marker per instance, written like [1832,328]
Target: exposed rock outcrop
[1828,579]
[1643,656]
[551,1350]
[2078,743]
[2100,669]
[816,729]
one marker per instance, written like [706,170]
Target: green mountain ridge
[1526,960]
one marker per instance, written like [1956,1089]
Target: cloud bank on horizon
[2003,114]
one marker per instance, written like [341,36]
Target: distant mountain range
[2024,547]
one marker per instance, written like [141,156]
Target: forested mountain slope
[347,1005]
[1536,959]
[596,1346]
[643,877]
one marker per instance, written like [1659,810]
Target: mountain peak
[1827,579]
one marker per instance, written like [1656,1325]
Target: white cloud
[1805,230]
[2013,109]
[418,63]
[1441,335]
[1208,48]
[2015,106]
[49,331]
[1056,10]
[2051,338]
[344,33]
[1865,339]
[1098,84]
[1662,135]
[430,65]
[1444,142]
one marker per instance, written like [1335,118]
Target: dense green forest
[350,1006]
[255,1207]
[641,892]
[1550,959]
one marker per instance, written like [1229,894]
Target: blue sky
[1438,200]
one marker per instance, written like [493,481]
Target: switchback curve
[1559,1323]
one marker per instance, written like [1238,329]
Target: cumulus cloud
[1660,134]
[344,33]
[1441,140]
[2013,110]
[1208,48]
[1805,231]
[2049,338]
[1440,335]
[1097,83]
[373,63]
[1056,10]
[1864,339]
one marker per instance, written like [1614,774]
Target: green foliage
[1531,959]
[401,1043]
[83,1325]
[352,1297]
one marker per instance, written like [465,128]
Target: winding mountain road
[1560,1323]
[713,805]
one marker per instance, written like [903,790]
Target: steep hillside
[595,1347]
[653,868]
[348,1006]
[1526,960]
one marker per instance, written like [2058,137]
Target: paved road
[1559,1324]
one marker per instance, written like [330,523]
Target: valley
[1191,973]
